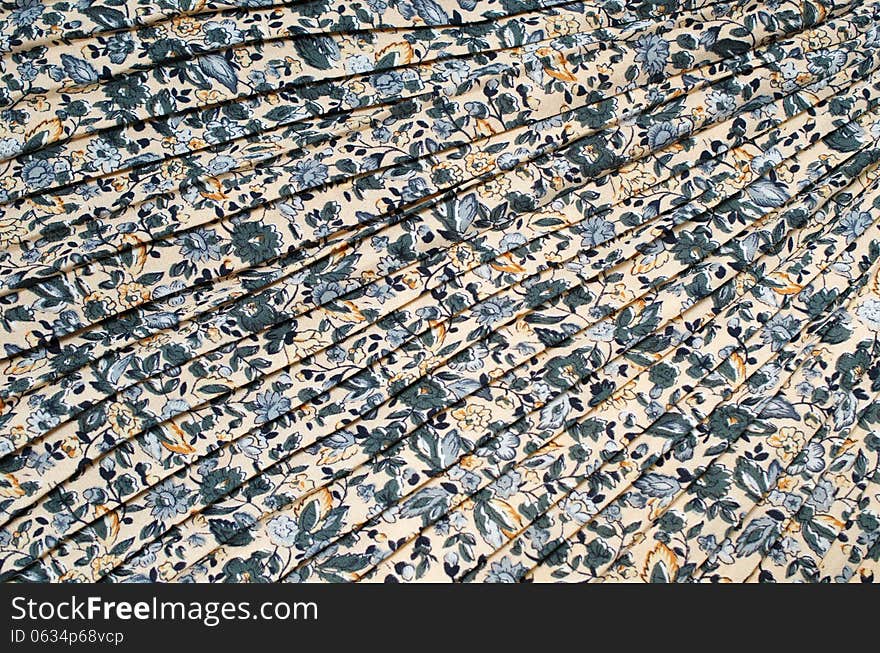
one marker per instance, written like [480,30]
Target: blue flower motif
[282,530]
[167,500]
[388,83]
[494,309]
[38,173]
[308,173]
[200,245]
[103,156]
[27,12]
[270,405]
[505,571]
[652,51]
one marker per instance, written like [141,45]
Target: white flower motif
[868,313]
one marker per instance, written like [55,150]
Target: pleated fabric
[440,290]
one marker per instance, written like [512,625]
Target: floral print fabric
[440,290]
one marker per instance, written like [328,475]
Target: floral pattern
[440,291]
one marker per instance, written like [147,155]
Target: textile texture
[439,290]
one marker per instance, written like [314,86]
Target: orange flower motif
[122,420]
[130,295]
[472,417]
[478,163]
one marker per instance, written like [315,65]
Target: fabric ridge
[440,291]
